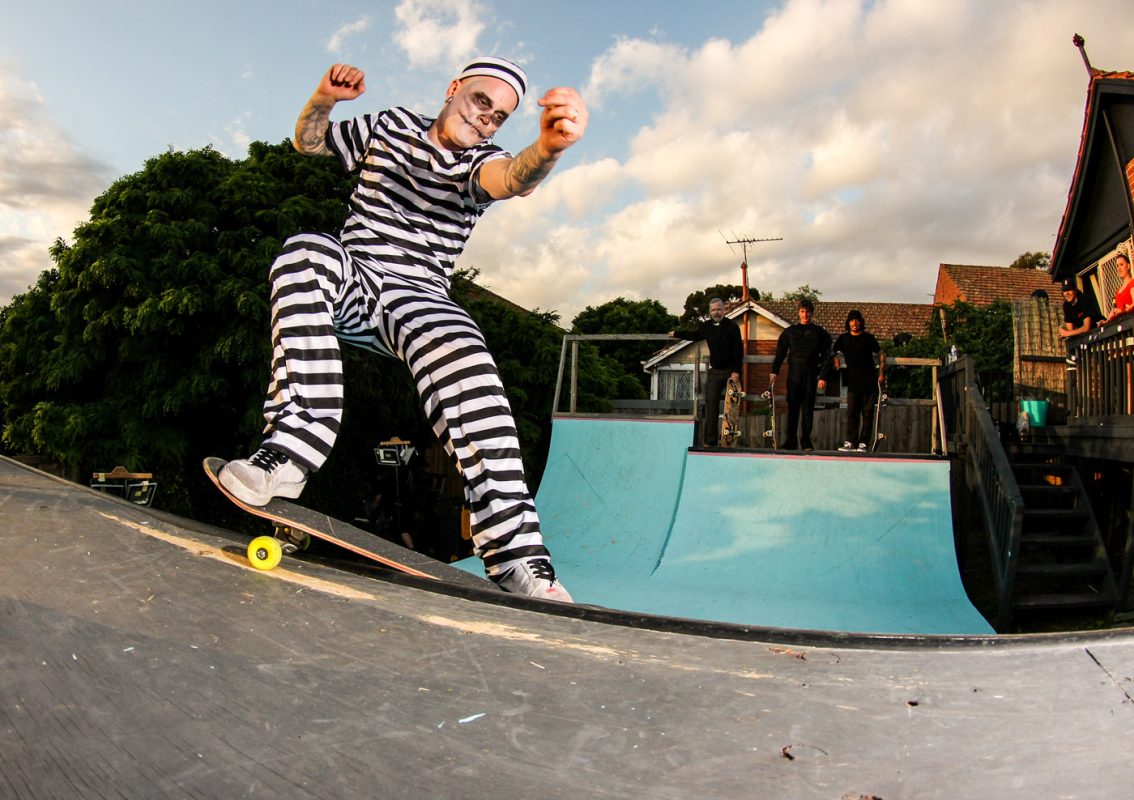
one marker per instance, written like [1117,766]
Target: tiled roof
[981,285]
[884,320]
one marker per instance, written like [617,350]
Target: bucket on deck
[1036,411]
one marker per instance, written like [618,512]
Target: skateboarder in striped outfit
[383,283]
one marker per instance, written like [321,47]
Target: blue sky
[879,139]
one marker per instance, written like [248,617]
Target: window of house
[675,383]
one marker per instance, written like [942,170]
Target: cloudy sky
[876,139]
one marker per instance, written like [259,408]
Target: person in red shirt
[1124,297]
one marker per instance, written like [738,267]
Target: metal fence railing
[988,474]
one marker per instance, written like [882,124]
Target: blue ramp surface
[637,522]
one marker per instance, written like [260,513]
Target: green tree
[804,292]
[1032,260]
[697,303]
[984,332]
[627,316]
[158,315]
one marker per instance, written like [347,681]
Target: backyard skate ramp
[637,522]
[142,656]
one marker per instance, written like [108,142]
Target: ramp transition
[637,522]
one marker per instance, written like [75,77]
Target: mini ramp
[638,522]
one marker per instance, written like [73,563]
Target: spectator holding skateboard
[863,379]
[726,357]
[383,283]
[807,349]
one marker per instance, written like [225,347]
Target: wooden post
[574,375]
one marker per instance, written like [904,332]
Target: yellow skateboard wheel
[264,552]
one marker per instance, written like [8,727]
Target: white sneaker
[846,448]
[862,447]
[535,578]
[263,475]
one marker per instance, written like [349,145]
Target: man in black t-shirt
[807,349]
[1080,314]
[863,380]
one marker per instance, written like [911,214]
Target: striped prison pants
[321,295]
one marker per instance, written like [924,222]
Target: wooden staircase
[1062,564]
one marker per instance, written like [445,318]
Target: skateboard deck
[879,435]
[730,419]
[266,551]
[770,395]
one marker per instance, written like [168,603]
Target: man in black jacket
[809,347]
[726,355]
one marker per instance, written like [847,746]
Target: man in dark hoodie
[726,355]
[807,349]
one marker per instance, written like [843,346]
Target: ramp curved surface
[141,656]
[637,522]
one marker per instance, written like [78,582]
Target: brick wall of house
[1130,176]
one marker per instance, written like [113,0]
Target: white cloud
[878,139]
[236,139]
[348,31]
[46,185]
[438,32]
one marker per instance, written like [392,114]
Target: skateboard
[879,435]
[296,525]
[770,396]
[730,420]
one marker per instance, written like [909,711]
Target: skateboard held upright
[730,420]
[770,396]
[879,435]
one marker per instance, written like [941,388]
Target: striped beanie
[494,67]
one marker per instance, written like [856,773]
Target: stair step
[1084,568]
[1035,602]
[1057,540]
[1056,514]
[1039,466]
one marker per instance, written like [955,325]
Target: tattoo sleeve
[311,129]
[527,170]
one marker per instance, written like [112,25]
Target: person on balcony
[1124,297]
[1080,314]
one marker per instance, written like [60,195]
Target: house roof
[982,285]
[884,320]
[1097,214]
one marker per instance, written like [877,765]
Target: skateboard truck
[291,540]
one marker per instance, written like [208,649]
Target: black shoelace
[268,460]
[542,569]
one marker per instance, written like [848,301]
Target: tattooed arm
[562,123]
[342,82]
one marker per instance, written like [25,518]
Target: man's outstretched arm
[562,123]
[342,82]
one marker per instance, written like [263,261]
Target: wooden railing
[1101,384]
[987,473]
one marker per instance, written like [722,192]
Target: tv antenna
[744,242]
